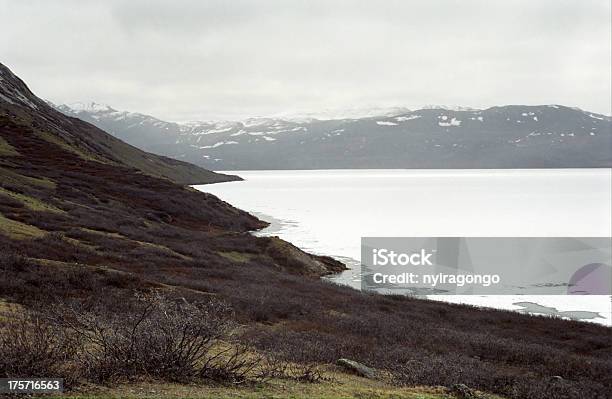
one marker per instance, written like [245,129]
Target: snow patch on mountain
[452,122]
[407,118]
[219,144]
[456,108]
[597,117]
[90,106]
[346,113]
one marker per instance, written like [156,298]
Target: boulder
[357,368]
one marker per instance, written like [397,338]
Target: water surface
[328,211]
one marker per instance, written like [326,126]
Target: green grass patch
[30,202]
[68,147]
[103,233]
[342,386]
[142,243]
[7,309]
[7,150]
[18,230]
[21,180]
[160,247]
[237,257]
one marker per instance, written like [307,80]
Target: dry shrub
[154,337]
[151,336]
[236,363]
[32,346]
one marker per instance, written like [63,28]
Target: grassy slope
[48,186]
[156,165]
[86,140]
[340,387]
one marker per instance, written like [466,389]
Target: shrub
[236,363]
[151,336]
[158,337]
[31,346]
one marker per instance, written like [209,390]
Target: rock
[463,391]
[295,261]
[357,368]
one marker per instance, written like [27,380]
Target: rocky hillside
[86,141]
[549,136]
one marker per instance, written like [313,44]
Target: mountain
[83,218]
[89,142]
[70,192]
[514,136]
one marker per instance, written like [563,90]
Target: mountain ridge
[510,136]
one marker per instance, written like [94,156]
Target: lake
[328,211]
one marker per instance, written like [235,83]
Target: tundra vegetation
[110,275]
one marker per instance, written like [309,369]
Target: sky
[186,60]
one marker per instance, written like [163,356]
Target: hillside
[87,141]
[517,136]
[121,277]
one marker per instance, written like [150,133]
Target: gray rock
[357,368]
[463,391]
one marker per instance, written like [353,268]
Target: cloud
[212,59]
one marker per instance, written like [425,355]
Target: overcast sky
[229,59]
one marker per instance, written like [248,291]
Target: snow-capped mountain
[513,136]
[346,113]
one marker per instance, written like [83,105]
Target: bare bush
[303,372]
[236,363]
[151,336]
[173,340]
[289,356]
[31,346]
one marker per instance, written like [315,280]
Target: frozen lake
[328,211]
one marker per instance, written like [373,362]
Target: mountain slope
[517,136]
[70,192]
[89,142]
[60,174]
